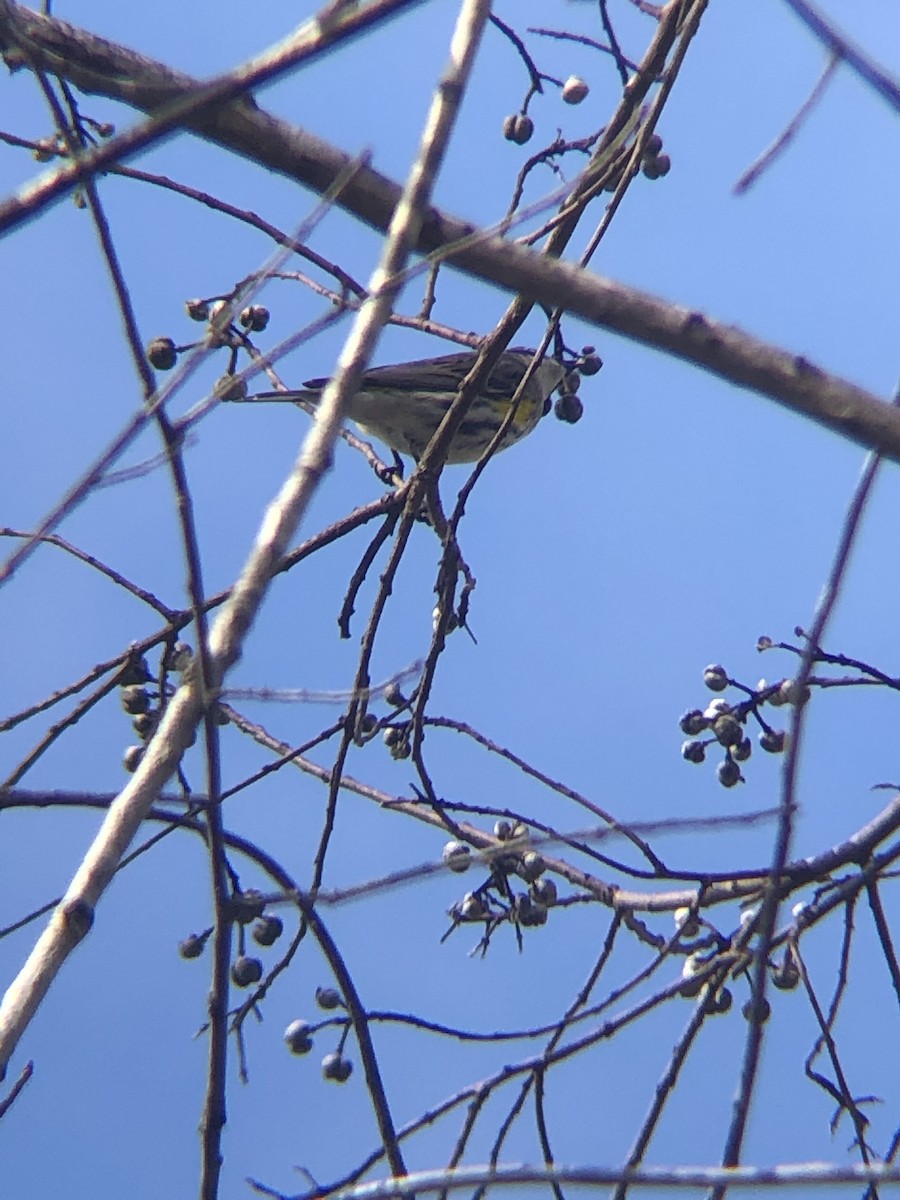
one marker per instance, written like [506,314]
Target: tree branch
[99,66]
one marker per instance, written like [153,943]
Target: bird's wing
[442,374]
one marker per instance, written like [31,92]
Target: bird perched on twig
[402,405]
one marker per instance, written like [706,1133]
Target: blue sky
[681,519]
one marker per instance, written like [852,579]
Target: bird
[403,404]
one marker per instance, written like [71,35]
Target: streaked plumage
[403,404]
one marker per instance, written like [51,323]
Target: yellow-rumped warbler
[402,405]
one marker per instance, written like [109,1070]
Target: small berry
[531,866]
[756,1014]
[255,317]
[539,915]
[791,693]
[161,353]
[653,145]
[402,748]
[728,730]
[569,409]
[786,976]
[694,752]
[574,90]
[692,723]
[524,129]
[457,856]
[718,1002]
[742,751]
[179,657]
[502,830]
[572,382]
[230,387]
[131,759]
[267,930]
[690,986]
[247,906]
[544,892]
[297,1037]
[393,696]
[135,699]
[144,724]
[715,678]
[527,913]
[396,738]
[505,864]
[328,998]
[192,946]
[686,922]
[470,908]
[246,970]
[663,165]
[135,671]
[728,773]
[773,740]
[437,617]
[336,1068]
[590,363]
[518,128]
[197,310]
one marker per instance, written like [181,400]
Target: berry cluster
[495,901]
[144,704]
[726,723]
[568,406]
[518,127]
[704,946]
[298,1038]
[655,164]
[221,331]
[246,908]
